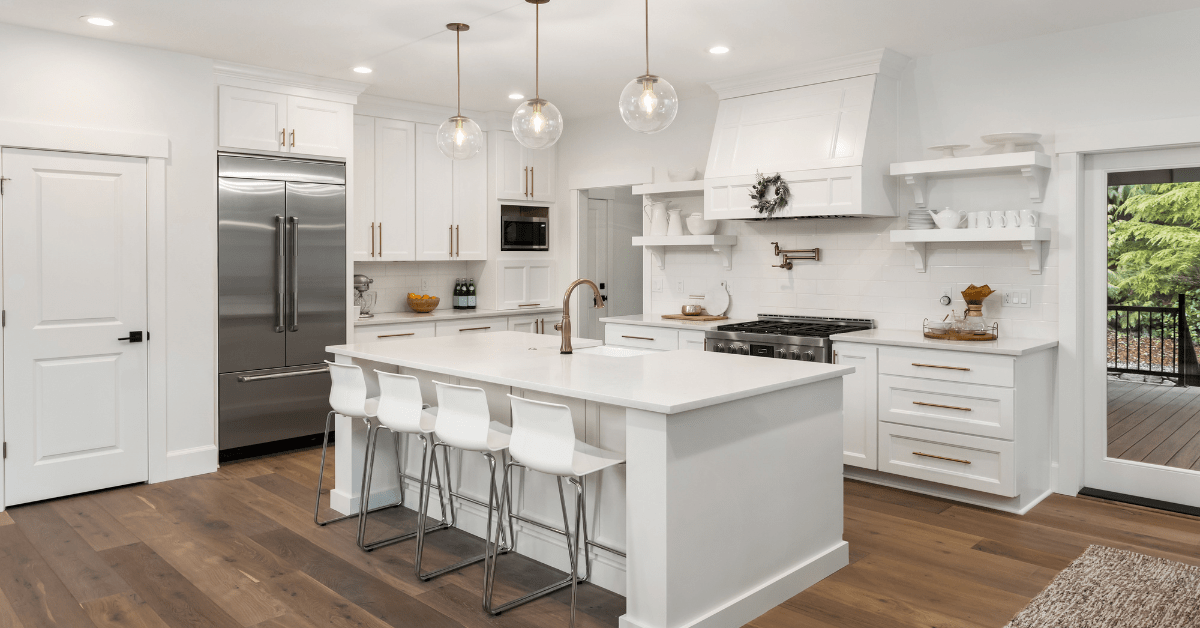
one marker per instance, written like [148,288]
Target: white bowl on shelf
[697,225]
[681,174]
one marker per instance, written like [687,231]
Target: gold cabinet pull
[293,138]
[938,405]
[451,240]
[528,304]
[474,328]
[925,455]
[372,239]
[411,333]
[525,181]
[283,137]
[638,338]
[938,366]
[531,181]
[457,240]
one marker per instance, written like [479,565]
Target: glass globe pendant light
[537,123]
[648,103]
[459,137]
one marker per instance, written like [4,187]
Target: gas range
[804,338]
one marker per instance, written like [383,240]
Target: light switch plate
[424,286]
[1016,298]
[679,286]
[656,284]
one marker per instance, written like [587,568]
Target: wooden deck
[1154,423]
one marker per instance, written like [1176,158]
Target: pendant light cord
[647,37]
[458,66]
[537,52]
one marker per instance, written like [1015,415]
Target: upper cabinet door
[362,230]
[395,158]
[512,170]
[435,180]
[318,127]
[471,207]
[541,174]
[249,118]
[525,283]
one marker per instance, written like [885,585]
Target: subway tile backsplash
[394,280]
[862,274]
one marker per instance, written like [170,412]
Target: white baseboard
[740,611]
[1015,505]
[184,463]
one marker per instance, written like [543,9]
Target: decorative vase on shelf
[656,213]
[675,226]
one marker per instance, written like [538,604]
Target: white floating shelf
[722,244]
[1032,239]
[1033,165]
[671,188]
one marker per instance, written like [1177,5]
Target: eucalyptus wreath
[759,193]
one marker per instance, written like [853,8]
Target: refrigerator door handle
[295,272]
[280,279]
[258,378]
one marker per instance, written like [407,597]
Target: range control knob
[745,349]
[720,348]
[808,356]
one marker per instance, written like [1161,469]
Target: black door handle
[134,336]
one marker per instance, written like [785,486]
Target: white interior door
[74,286]
[1162,411]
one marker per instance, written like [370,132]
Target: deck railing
[1152,341]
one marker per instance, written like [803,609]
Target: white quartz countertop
[447,314]
[656,320]
[906,338]
[668,382]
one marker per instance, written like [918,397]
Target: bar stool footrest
[542,592]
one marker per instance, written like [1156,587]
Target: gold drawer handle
[638,338]
[936,366]
[411,333]
[528,304]
[938,405]
[917,453]
[474,328]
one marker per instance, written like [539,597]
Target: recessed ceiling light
[363,70]
[516,96]
[718,50]
[96,20]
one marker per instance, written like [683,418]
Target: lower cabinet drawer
[471,326]
[978,410]
[950,366]
[972,462]
[641,337]
[691,340]
[372,333]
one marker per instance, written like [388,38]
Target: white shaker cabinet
[523,174]
[451,209]
[859,403]
[262,120]
[384,197]
[525,283]
[534,323]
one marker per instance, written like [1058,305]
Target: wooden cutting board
[702,318]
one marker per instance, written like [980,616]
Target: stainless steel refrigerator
[282,298]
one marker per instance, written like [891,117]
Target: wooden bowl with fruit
[422,303]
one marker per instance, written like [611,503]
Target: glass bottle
[457,302]
[471,295]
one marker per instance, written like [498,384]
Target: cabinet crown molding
[881,61]
[225,70]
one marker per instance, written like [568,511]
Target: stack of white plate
[920,219]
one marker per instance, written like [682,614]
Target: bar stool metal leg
[362,525]
[492,505]
[321,479]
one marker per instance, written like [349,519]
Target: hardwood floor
[1154,423]
[238,549]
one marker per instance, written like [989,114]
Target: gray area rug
[1112,588]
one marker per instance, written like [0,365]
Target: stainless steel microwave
[524,228]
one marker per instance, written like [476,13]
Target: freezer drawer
[272,404]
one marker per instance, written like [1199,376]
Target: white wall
[1136,70]
[58,79]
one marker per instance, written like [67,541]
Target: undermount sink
[613,352]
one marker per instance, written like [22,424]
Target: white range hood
[829,128]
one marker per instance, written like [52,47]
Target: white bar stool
[402,412]
[348,397]
[543,440]
[464,422]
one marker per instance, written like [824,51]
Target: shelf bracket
[919,249]
[1036,177]
[920,188]
[1035,249]
[659,253]
[726,253]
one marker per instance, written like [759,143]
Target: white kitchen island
[731,501]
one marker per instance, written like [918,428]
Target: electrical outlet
[1016,298]
[948,291]
[424,286]
[656,284]
[679,287]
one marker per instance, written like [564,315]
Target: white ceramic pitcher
[675,226]
[657,214]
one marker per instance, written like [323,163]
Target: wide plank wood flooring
[238,549]
[1154,423]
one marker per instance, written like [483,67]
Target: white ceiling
[590,48]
